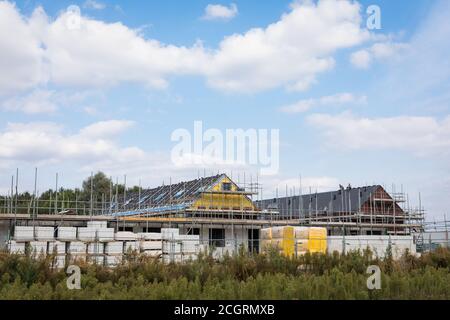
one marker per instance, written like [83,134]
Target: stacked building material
[87,234]
[294,241]
[44,233]
[38,247]
[114,253]
[23,233]
[66,233]
[16,247]
[98,244]
[96,232]
[58,249]
[131,247]
[379,245]
[179,248]
[125,236]
[76,251]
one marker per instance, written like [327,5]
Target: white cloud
[95,53]
[106,128]
[102,54]
[48,143]
[220,12]
[21,54]
[333,100]
[95,5]
[362,59]
[43,101]
[288,53]
[419,135]
[38,101]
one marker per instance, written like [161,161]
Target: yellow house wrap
[223,195]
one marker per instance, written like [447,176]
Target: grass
[241,276]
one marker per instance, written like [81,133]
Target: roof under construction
[176,197]
[344,200]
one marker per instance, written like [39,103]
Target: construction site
[212,213]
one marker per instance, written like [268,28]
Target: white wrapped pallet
[44,233]
[97,224]
[115,247]
[131,246]
[113,261]
[16,247]
[67,233]
[125,236]
[59,262]
[38,247]
[77,247]
[169,233]
[56,247]
[95,248]
[189,237]
[100,260]
[76,258]
[266,234]
[149,236]
[171,247]
[153,253]
[190,246]
[87,234]
[189,257]
[105,235]
[23,233]
[172,258]
[150,245]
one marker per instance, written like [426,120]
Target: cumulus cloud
[44,101]
[95,5]
[21,54]
[38,101]
[333,100]
[290,52]
[46,142]
[220,12]
[418,135]
[363,59]
[85,52]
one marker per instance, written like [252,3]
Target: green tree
[101,185]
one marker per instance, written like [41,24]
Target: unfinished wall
[378,244]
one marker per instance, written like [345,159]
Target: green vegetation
[239,277]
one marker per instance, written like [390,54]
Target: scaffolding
[382,213]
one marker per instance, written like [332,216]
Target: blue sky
[361,106]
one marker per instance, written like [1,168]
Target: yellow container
[301,232]
[294,240]
[317,240]
[301,245]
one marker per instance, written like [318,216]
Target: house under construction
[224,214]
[369,210]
